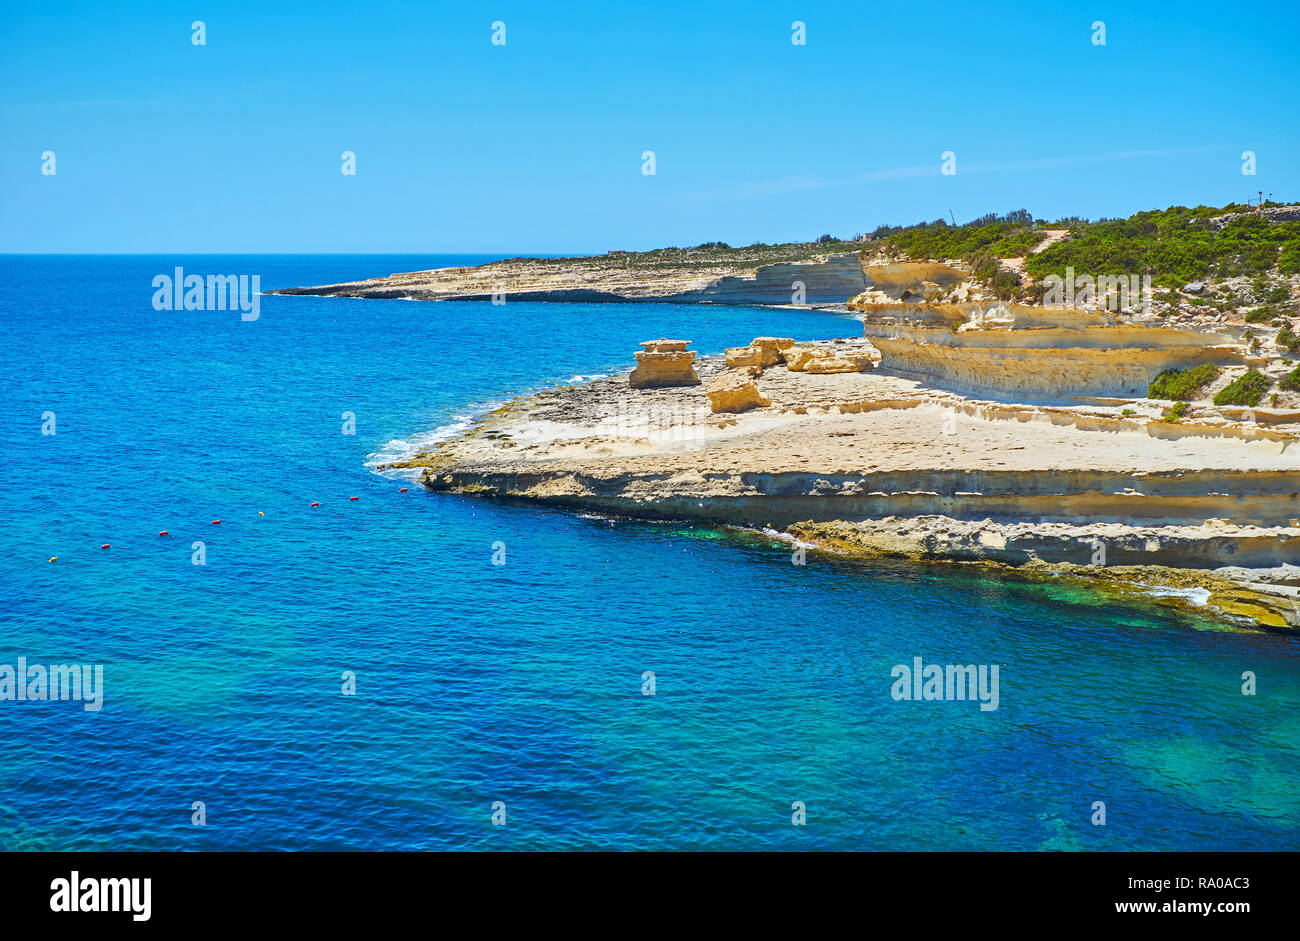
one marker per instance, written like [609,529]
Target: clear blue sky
[462,146]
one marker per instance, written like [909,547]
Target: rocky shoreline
[871,464]
[814,275]
[959,426]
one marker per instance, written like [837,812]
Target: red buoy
[163,533]
[404,489]
[354,498]
[104,546]
[216,522]
[315,504]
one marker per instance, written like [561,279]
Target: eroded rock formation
[734,391]
[761,352]
[820,358]
[664,363]
[816,281]
[939,330]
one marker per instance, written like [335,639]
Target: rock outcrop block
[739,356]
[822,359]
[664,363]
[762,352]
[734,392]
[835,361]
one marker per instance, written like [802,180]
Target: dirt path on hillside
[1017,265]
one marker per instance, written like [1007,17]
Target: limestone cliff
[931,323]
[709,278]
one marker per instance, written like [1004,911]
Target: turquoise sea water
[522,683]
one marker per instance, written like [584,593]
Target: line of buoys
[163,532]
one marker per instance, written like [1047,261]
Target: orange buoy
[404,489]
[354,498]
[315,504]
[163,533]
[104,546]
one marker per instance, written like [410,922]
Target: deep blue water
[522,683]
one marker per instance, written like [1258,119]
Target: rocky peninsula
[816,274]
[973,420]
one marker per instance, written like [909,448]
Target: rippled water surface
[523,682]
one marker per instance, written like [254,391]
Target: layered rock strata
[664,363]
[821,280]
[906,470]
[931,326]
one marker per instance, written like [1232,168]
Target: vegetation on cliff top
[707,254]
[1175,246]
[990,236]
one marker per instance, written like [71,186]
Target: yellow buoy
[260,513]
[54,558]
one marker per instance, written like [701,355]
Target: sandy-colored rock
[821,359]
[762,351]
[738,356]
[663,345]
[848,361]
[734,392]
[797,357]
[664,363]
[770,349]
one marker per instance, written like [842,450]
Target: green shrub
[1182,383]
[1288,340]
[1245,390]
[1175,246]
[1177,412]
[1288,260]
[1291,380]
[1262,315]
